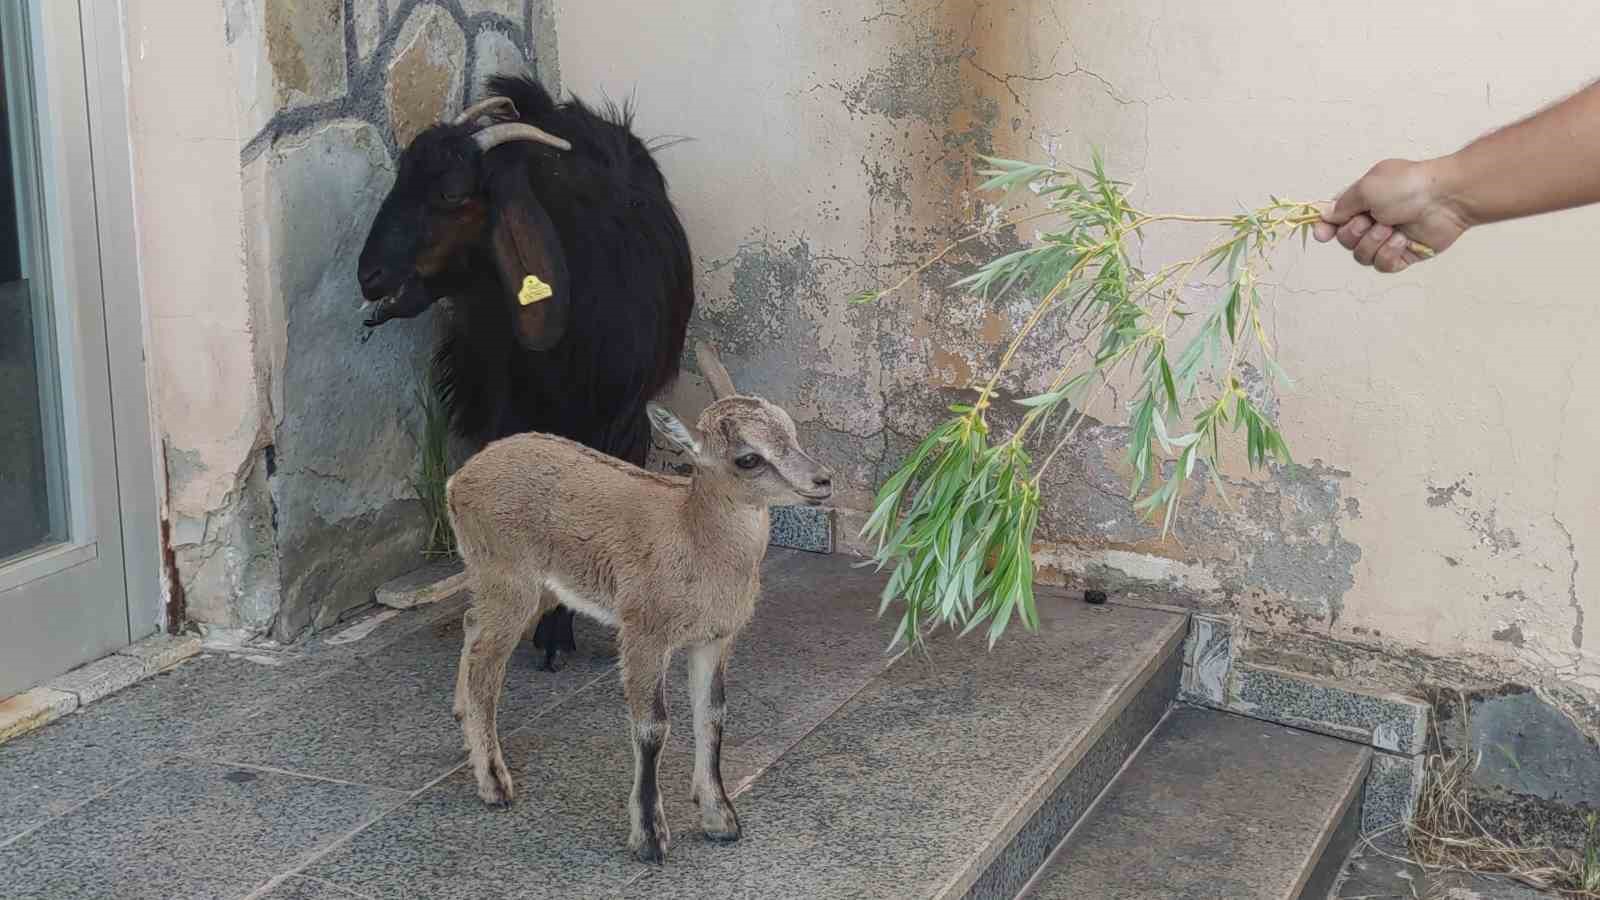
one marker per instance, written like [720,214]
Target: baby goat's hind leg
[469,633]
[500,614]
[708,665]
[644,683]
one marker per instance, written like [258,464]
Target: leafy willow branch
[956,520]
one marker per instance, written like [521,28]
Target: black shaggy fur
[631,288]
[632,291]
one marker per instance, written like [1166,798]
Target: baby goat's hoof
[497,791]
[650,849]
[720,824]
[651,852]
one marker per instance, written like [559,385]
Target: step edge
[1089,811]
[1326,854]
[1309,864]
[1054,771]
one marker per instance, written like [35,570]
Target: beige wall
[205,388]
[1446,503]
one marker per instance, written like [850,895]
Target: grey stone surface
[100,678]
[185,829]
[802,528]
[812,645]
[425,73]
[1393,723]
[346,451]
[162,651]
[511,9]
[1390,797]
[392,725]
[564,836]
[1208,660]
[299,887]
[370,18]
[913,787]
[1214,806]
[429,584]
[815,640]
[1528,747]
[57,768]
[1346,836]
[305,47]
[1033,843]
[50,771]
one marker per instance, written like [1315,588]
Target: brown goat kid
[671,562]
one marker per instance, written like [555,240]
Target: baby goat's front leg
[644,683]
[708,663]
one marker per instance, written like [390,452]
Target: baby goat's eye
[748,461]
[452,198]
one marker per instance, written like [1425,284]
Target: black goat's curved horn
[483,107]
[505,132]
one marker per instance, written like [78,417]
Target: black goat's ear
[532,264]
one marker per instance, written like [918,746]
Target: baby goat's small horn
[484,107]
[505,132]
[715,373]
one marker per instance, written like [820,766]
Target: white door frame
[99,589]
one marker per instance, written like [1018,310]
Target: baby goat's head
[746,442]
[451,197]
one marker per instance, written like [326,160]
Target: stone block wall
[288,506]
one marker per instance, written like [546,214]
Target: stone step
[1217,806]
[950,774]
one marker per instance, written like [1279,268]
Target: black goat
[568,269]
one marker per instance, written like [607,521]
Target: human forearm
[1546,162]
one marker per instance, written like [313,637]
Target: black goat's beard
[411,300]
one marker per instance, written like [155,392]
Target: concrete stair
[1217,806]
[952,773]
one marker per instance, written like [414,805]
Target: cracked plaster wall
[265,134]
[1443,507]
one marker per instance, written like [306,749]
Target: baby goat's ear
[668,426]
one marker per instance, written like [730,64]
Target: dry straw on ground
[1445,835]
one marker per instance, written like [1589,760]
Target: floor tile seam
[312,856]
[750,780]
[1058,767]
[465,761]
[101,794]
[291,773]
[421,619]
[556,703]
[1096,803]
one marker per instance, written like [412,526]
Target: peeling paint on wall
[1419,518]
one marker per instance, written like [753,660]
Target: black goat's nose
[370,276]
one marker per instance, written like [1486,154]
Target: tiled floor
[337,772]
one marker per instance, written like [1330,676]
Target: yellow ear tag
[533,290]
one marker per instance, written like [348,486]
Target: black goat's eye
[748,461]
[451,198]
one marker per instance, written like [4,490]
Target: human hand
[1395,207]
